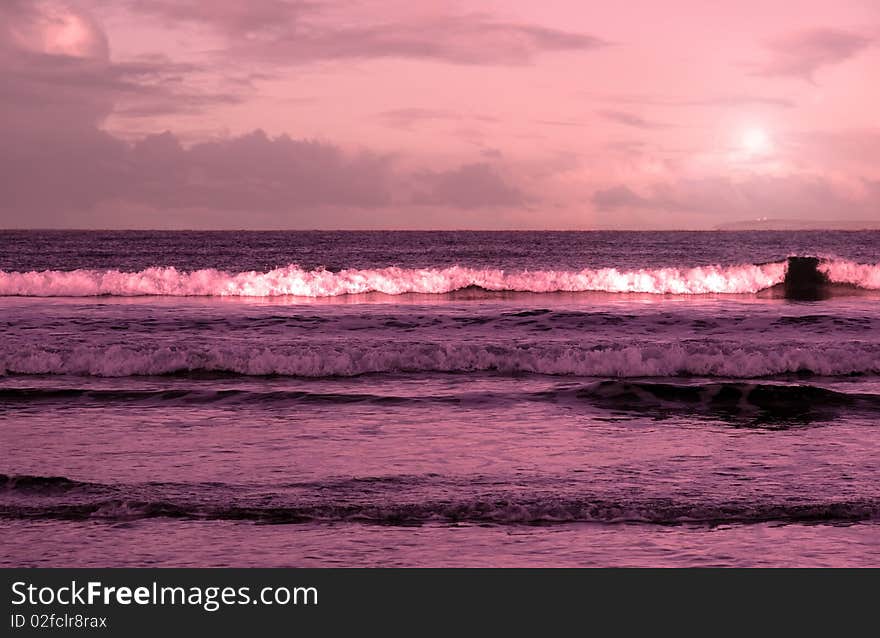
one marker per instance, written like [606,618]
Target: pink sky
[393,114]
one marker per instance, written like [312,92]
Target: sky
[367,114]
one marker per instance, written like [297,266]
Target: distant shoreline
[799,224]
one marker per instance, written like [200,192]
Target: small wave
[396,500]
[39,484]
[232,398]
[504,511]
[703,358]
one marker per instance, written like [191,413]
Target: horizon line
[449,230]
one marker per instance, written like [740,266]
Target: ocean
[439,398]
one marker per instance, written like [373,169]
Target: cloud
[801,54]
[59,165]
[566,123]
[407,118]
[287,33]
[621,196]
[629,119]
[273,181]
[469,186]
[252,172]
[729,100]
[233,17]
[47,83]
[45,179]
[467,40]
[740,100]
[720,199]
[843,148]
[46,87]
[255,171]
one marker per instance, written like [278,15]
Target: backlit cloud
[803,53]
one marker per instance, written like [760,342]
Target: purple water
[437,399]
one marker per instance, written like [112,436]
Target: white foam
[847,272]
[293,280]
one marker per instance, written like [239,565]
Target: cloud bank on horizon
[391,114]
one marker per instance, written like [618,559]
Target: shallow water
[466,427]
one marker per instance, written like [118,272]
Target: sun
[55,28]
[755,141]
[66,34]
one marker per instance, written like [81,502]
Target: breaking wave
[293,280]
[704,358]
[865,276]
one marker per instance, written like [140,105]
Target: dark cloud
[280,181]
[254,171]
[48,178]
[803,53]
[469,186]
[250,172]
[629,119]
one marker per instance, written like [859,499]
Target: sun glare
[755,141]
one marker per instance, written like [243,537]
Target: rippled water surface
[437,399]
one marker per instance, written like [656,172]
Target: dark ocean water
[434,398]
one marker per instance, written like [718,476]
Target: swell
[762,405]
[685,358]
[768,404]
